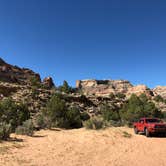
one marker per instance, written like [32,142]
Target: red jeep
[150,126]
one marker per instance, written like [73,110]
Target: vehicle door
[141,125]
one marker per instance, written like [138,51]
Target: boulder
[48,82]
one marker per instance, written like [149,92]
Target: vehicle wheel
[135,130]
[147,133]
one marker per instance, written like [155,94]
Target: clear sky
[79,39]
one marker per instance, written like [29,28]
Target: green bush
[35,82]
[109,113]
[5,130]
[126,134]
[61,116]
[35,93]
[85,116]
[137,107]
[120,95]
[73,118]
[26,129]
[65,87]
[56,110]
[41,121]
[95,123]
[158,98]
[143,98]
[12,113]
[112,96]
[114,123]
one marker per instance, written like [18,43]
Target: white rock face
[105,87]
[160,90]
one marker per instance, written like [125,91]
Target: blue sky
[79,39]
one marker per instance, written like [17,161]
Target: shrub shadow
[55,129]
[15,139]
[38,136]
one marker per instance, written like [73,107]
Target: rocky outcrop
[18,84]
[36,100]
[160,90]
[14,74]
[103,87]
[7,89]
[48,82]
[139,89]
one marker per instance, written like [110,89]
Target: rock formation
[48,82]
[103,87]
[160,90]
[16,83]
[139,89]
[14,74]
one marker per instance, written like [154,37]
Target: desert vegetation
[11,116]
[132,110]
[16,117]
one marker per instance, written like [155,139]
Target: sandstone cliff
[15,83]
[160,90]
[105,87]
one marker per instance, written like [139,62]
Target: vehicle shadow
[154,135]
[158,136]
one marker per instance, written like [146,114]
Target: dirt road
[110,147]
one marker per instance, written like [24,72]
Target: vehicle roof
[147,118]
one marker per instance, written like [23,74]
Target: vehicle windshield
[152,121]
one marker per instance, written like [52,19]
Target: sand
[81,147]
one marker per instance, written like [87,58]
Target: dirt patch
[81,147]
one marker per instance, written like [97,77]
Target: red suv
[150,126]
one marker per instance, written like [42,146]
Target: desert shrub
[56,110]
[120,95]
[109,113]
[35,82]
[35,93]
[73,118]
[60,115]
[5,130]
[85,116]
[12,113]
[95,123]
[143,97]
[26,129]
[42,121]
[158,98]
[65,87]
[112,96]
[126,134]
[114,123]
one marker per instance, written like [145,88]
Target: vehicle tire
[147,133]
[135,130]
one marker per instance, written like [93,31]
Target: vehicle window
[152,120]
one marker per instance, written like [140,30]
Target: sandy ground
[110,147]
